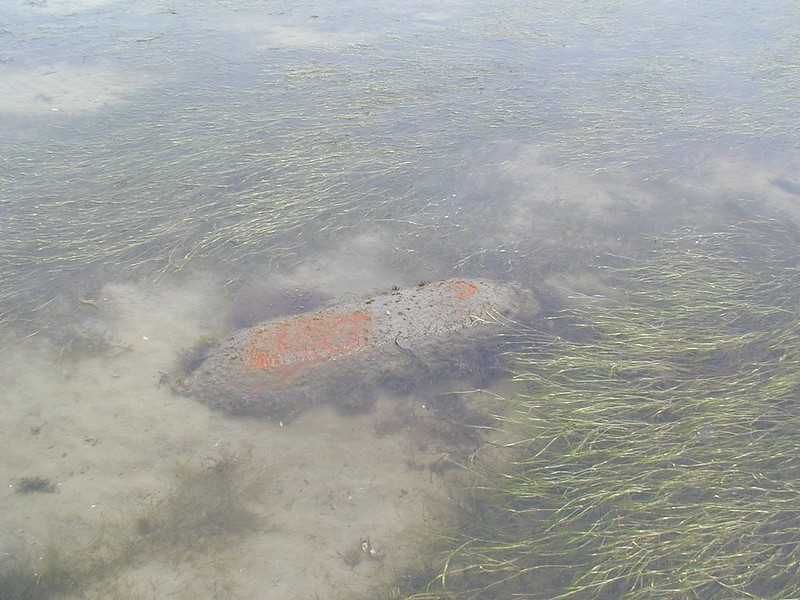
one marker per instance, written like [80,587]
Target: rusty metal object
[341,353]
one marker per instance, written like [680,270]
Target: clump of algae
[657,452]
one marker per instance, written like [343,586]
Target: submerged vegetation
[209,508]
[657,452]
[260,164]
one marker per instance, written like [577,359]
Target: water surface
[174,171]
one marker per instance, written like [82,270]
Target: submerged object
[340,354]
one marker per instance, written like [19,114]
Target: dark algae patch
[35,484]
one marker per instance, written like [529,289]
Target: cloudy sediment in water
[173,172]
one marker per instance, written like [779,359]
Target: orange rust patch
[465,289]
[307,339]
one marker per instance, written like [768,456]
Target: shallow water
[175,172]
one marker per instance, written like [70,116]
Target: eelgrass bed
[660,437]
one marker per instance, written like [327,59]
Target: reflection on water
[172,173]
